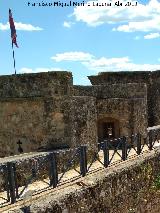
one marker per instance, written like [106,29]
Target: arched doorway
[108,128]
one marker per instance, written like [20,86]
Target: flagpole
[14,62]
[13,37]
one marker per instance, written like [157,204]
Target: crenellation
[45,111]
[36,85]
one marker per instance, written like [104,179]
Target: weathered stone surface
[104,78]
[126,103]
[36,84]
[84,121]
[128,187]
[151,79]
[131,114]
[115,90]
[46,123]
[45,111]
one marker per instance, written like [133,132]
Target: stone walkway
[40,186]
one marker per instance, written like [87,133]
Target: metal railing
[121,147]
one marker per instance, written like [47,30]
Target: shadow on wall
[50,146]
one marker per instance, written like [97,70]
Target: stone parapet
[116,90]
[132,186]
[36,84]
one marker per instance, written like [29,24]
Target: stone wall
[124,103]
[154,102]
[36,122]
[39,111]
[151,79]
[130,113]
[31,111]
[83,119]
[36,84]
[128,187]
[45,111]
[45,123]
[138,117]
[123,77]
[116,90]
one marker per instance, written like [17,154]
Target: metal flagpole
[13,37]
[14,62]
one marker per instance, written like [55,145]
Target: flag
[13,29]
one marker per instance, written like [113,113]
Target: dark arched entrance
[108,128]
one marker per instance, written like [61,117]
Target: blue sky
[85,40]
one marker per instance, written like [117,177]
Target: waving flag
[13,29]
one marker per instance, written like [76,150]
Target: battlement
[118,90]
[124,77]
[35,84]
[44,111]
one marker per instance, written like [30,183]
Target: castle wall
[116,90]
[45,111]
[83,121]
[31,110]
[151,79]
[36,85]
[37,123]
[123,77]
[154,99]
[126,103]
[130,113]
[46,123]
[155,107]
